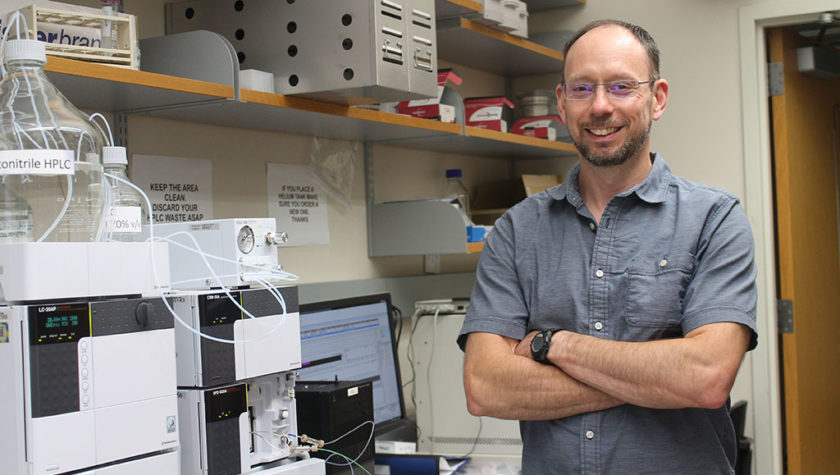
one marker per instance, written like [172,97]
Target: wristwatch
[540,345]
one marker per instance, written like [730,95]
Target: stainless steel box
[349,51]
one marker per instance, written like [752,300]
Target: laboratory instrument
[444,423]
[244,427]
[339,411]
[88,384]
[239,251]
[247,346]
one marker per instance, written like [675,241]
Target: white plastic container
[127,218]
[454,188]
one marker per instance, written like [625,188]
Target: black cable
[396,323]
[821,34]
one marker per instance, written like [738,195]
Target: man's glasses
[617,89]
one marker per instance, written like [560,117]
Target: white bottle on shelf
[455,190]
[127,217]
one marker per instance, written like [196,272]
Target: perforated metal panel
[352,51]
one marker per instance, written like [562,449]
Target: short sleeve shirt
[667,257]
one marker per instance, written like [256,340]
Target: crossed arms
[589,373]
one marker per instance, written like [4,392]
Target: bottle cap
[32,50]
[453,173]
[114,155]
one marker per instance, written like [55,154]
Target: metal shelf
[111,89]
[472,44]
[537,5]
[450,8]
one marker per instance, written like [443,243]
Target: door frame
[753,19]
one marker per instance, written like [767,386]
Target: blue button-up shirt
[667,257]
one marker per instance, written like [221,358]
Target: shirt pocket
[654,292]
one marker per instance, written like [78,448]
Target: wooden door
[808,268]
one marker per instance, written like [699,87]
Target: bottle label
[124,219]
[15,230]
[36,162]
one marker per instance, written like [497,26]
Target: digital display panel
[218,309]
[59,323]
[225,403]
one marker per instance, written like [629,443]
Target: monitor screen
[352,339]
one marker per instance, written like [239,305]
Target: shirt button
[590,435]
[663,263]
[599,325]
[599,273]
[591,225]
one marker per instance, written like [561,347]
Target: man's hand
[523,348]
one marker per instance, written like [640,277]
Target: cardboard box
[548,127]
[489,112]
[493,198]
[433,108]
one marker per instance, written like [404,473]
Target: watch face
[539,346]
[537,343]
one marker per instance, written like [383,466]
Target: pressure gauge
[245,239]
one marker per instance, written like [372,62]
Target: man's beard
[630,148]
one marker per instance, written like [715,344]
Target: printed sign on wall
[298,203]
[180,189]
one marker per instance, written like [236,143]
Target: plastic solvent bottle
[15,213]
[49,140]
[455,189]
[126,215]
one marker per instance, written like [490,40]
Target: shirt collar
[653,189]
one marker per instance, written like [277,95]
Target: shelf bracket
[121,129]
[369,193]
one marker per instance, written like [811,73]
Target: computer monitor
[353,339]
